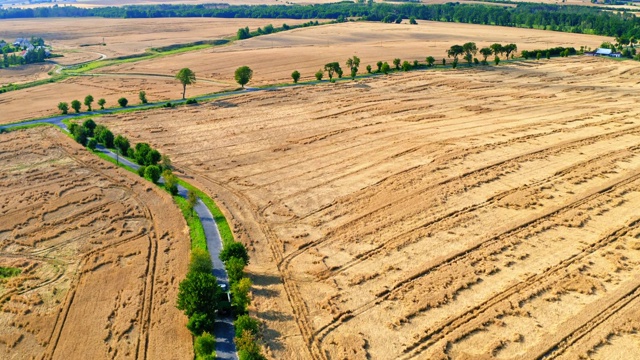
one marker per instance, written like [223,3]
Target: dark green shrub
[191,101]
[92,144]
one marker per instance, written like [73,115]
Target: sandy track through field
[464,214]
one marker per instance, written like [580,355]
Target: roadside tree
[295,75]
[142,95]
[75,105]
[186,77]
[88,100]
[64,107]
[101,102]
[123,102]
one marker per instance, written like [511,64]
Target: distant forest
[575,19]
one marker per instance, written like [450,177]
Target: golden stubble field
[101,254]
[479,213]
[273,58]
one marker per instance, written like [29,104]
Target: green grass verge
[16,128]
[7,272]
[218,216]
[196,231]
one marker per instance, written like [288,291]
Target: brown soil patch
[485,213]
[101,254]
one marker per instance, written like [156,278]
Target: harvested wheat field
[489,212]
[100,251]
[273,57]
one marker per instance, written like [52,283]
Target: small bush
[152,173]
[168,105]
[123,102]
[191,101]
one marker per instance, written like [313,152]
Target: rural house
[603,52]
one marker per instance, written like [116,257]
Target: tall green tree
[295,75]
[64,107]
[430,60]
[498,49]
[186,77]
[353,63]
[243,75]
[237,250]
[88,100]
[455,51]
[142,95]
[396,63]
[101,102]
[470,48]
[75,105]
[198,293]
[332,68]
[122,144]
[485,52]
[509,48]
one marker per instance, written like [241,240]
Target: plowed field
[478,213]
[100,254]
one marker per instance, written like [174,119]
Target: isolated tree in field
[509,48]
[406,66]
[332,68]
[90,126]
[237,250]
[498,49]
[75,105]
[412,20]
[430,60]
[243,75]
[295,75]
[353,63]
[319,74]
[496,60]
[64,107]
[485,52]
[379,65]
[385,68]
[88,100]
[101,102]
[369,69]
[396,63]
[186,77]
[455,51]
[122,144]
[192,200]
[142,95]
[123,102]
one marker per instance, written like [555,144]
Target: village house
[603,52]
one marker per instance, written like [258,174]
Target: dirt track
[485,213]
[101,254]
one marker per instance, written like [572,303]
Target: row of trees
[245,33]
[30,57]
[76,105]
[577,19]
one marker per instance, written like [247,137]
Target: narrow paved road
[224,330]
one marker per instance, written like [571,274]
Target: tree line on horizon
[566,18]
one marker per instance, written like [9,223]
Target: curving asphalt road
[224,329]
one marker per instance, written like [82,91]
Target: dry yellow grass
[275,56]
[101,253]
[484,213]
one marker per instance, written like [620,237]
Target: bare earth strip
[485,213]
[101,254]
